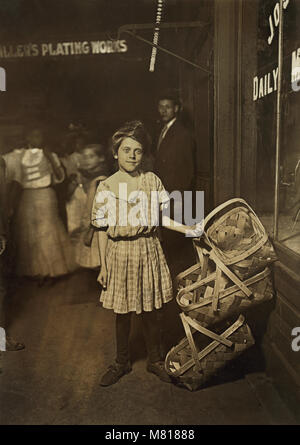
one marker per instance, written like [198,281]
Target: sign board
[267,83]
[63,49]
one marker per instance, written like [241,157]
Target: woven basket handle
[228,203]
[224,205]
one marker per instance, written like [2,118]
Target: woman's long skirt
[42,244]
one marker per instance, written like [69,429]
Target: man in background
[175,150]
[174,164]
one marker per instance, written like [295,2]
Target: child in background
[134,274]
[93,169]
[75,195]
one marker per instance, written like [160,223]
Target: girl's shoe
[158,368]
[114,373]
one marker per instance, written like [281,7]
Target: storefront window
[289,198]
[284,224]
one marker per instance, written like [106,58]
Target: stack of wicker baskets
[231,275]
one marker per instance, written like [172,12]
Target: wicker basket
[180,363]
[231,300]
[233,260]
[231,275]
[238,238]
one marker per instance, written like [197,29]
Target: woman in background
[43,248]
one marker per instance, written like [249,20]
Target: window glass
[289,198]
[265,95]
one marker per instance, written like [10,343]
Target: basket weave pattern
[232,275]
[232,304]
[194,378]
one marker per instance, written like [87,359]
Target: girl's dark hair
[135,130]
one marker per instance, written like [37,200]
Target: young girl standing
[134,274]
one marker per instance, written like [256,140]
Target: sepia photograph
[149,215]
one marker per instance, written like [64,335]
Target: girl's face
[90,159]
[129,155]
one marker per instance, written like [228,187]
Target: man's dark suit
[175,166]
[174,159]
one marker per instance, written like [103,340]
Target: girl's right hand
[103,277]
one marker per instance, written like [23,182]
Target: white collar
[170,123]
